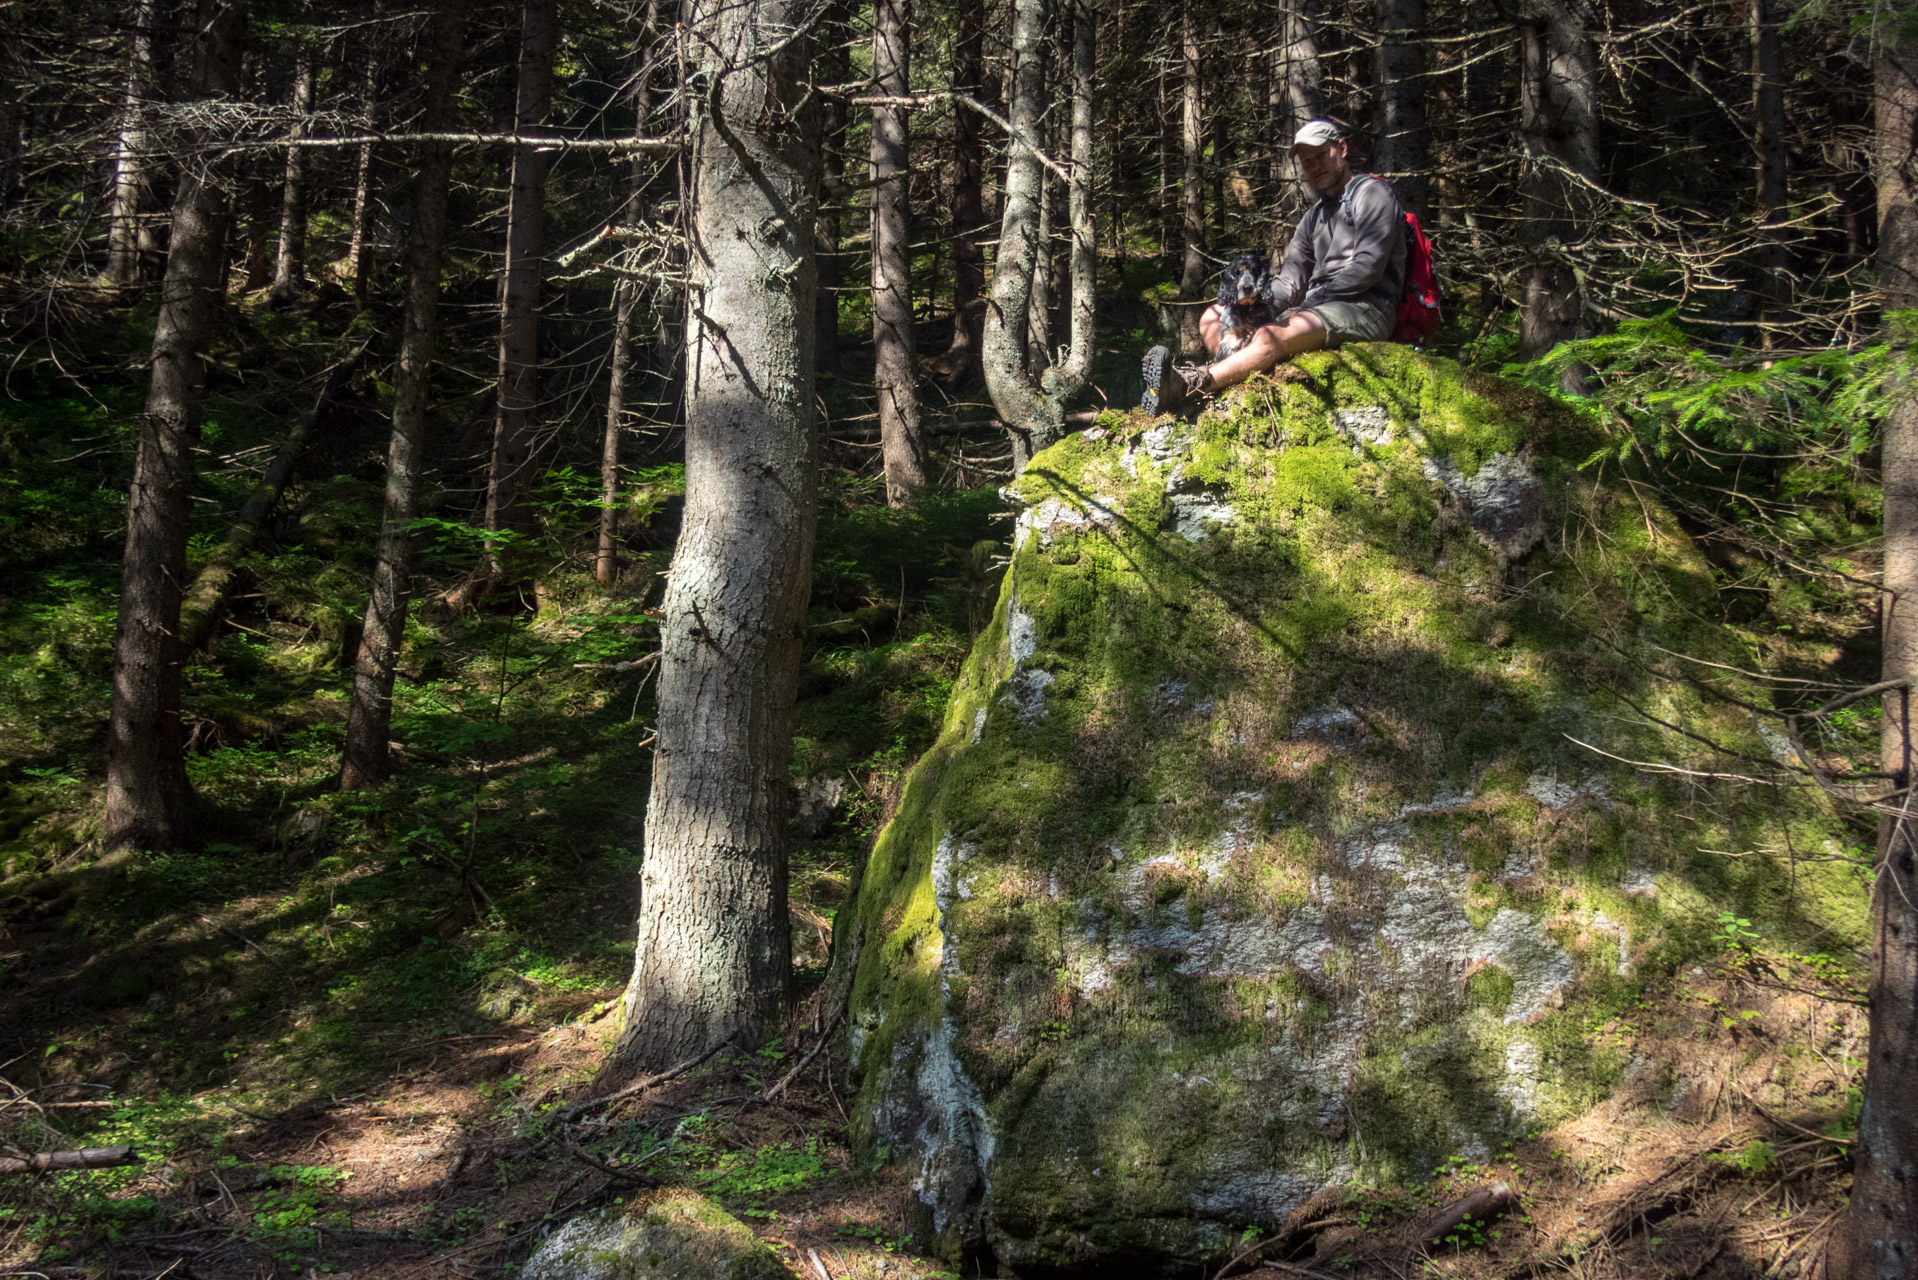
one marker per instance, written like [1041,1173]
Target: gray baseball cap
[1316,133]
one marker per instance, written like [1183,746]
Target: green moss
[1160,941]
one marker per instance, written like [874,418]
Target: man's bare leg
[1212,327]
[1285,337]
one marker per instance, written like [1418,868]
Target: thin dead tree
[148,798]
[714,954]
[369,715]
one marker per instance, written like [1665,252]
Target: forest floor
[342,1032]
[1712,1161]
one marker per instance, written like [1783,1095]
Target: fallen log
[1483,1205]
[201,604]
[58,1161]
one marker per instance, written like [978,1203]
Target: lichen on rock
[668,1234]
[1259,851]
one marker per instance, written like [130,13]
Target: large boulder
[1259,851]
[668,1234]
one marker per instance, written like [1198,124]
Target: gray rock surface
[668,1234]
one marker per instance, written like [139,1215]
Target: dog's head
[1244,282]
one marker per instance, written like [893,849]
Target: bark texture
[1401,153]
[289,267]
[516,419]
[835,67]
[714,954]
[625,298]
[1770,153]
[129,152]
[1293,96]
[1003,355]
[370,714]
[1191,193]
[1558,123]
[1030,395]
[968,197]
[1062,381]
[1880,1238]
[148,800]
[357,259]
[895,377]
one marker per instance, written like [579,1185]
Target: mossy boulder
[668,1234]
[1268,843]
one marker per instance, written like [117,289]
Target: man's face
[1324,166]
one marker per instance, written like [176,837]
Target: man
[1341,281]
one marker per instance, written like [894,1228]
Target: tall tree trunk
[1293,97]
[129,152]
[289,270]
[968,202]
[1401,154]
[1880,1237]
[1062,381]
[1032,401]
[714,956]
[625,297]
[894,375]
[1558,121]
[262,220]
[369,716]
[1191,191]
[357,258]
[148,800]
[1039,305]
[1026,414]
[1769,142]
[835,67]
[1168,187]
[509,478]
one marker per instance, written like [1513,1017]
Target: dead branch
[579,1109]
[60,1161]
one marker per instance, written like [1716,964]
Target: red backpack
[1418,317]
[1419,304]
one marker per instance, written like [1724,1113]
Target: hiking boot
[1170,387]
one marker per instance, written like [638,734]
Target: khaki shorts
[1353,322]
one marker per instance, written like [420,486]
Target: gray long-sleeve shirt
[1347,248]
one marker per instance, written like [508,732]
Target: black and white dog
[1244,302]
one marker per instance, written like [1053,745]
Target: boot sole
[1157,367]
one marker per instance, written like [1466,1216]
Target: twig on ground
[806,1061]
[579,1109]
[1783,1123]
